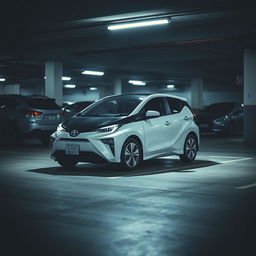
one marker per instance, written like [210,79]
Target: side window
[156,104]
[175,105]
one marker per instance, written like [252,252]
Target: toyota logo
[74,133]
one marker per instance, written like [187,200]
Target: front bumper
[93,146]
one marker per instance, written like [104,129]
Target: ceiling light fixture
[66,78]
[138,24]
[2,79]
[93,88]
[94,73]
[136,82]
[170,86]
[70,86]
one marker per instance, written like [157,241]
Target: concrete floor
[164,208]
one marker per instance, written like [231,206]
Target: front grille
[76,140]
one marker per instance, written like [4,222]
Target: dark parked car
[226,117]
[28,116]
[74,108]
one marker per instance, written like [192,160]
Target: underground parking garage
[128,129]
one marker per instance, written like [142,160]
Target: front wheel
[190,149]
[131,154]
[67,163]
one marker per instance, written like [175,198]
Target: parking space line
[247,186]
[236,160]
[236,157]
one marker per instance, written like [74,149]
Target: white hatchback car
[127,129]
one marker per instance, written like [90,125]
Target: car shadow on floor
[149,167]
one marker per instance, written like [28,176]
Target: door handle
[167,123]
[186,118]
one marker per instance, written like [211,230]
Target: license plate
[72,149]
[51,117]
[203,125]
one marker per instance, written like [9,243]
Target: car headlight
[221,119]
[110,128]
[60,128]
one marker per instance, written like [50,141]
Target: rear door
[179,117]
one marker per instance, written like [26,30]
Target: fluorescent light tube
[71,86]
[170,86]
[66,78]
[2,79]
[138,24]
[94,73]
[93,88]
[135,82]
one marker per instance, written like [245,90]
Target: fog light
[110,142]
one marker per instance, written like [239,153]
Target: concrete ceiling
[204,39]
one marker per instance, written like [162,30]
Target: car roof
[19,96]
[146,95]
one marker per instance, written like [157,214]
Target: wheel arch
[139,140]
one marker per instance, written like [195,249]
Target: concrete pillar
[249,96]
[197,93]
[53,81]
[10,89]
[117,86]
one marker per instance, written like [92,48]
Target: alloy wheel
[132,154]
[191,148]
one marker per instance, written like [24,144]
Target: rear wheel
[131,154]
[67,162]
[190,149]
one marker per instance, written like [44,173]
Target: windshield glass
[113,106]
[220,107]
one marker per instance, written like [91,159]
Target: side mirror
[152,113]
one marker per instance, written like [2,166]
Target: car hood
[88,124]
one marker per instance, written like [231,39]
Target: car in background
[127,129]
[225,117]
[74,108]
[28,116]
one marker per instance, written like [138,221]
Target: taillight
[33,113]
[62,113]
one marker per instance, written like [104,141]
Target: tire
[131,154]
[67,162]
[190,149]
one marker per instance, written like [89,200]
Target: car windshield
[113,106]
[220,107]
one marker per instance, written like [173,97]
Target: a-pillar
[117,86]
[53,81]
[249,96]
[197,93]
